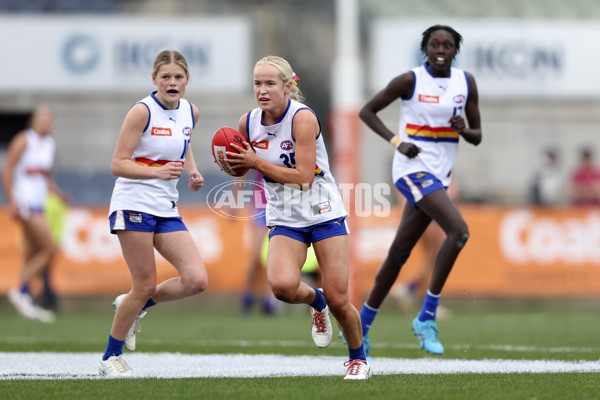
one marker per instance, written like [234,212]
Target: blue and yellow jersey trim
[429,134]
[319,171]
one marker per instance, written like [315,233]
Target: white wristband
[395,141]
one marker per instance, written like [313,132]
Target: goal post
[344,123]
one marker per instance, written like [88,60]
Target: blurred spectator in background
[547,187]
[27,178]
[585,181]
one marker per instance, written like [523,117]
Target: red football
[221,143]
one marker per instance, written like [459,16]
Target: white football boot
[321,327]
[357,370]
[114,366]
[27,308]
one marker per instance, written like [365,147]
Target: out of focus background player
[27,178]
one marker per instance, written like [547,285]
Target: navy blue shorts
[128,220]
[313,233]
[418,185]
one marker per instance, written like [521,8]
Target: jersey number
[290,161]
[457,110]
[186,146]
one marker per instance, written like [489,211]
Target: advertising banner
[518,252]
[111,54]
[509,58]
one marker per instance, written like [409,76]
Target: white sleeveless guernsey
[166,138]
[288,205]
[424,121]
[29,190]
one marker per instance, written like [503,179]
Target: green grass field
[506,331]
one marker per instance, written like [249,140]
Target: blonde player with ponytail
[304,206]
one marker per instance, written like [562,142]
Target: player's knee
[194,278]
[398,254]
[336,304]
[283,291]
[283,295]
[196,284]
[52,249]
[49,250]
[462,239]
[392,265]
[144,289]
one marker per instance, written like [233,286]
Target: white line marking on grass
[496,347]
[175,365]
[298,343]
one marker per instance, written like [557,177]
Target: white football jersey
[424,121]
[30,188]
[166,138]
[288,205]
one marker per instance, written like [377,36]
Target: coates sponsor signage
[424,98]
[263,144]
[161,131]
[528,238]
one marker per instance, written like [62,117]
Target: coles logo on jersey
[263,144]
[187,131]
[287,145]
[425,98]
[459,99]
[161,131]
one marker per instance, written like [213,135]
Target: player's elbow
[472,137]
[114,168]
[120,166]
[364,113]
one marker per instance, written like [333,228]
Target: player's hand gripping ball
[221,143]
